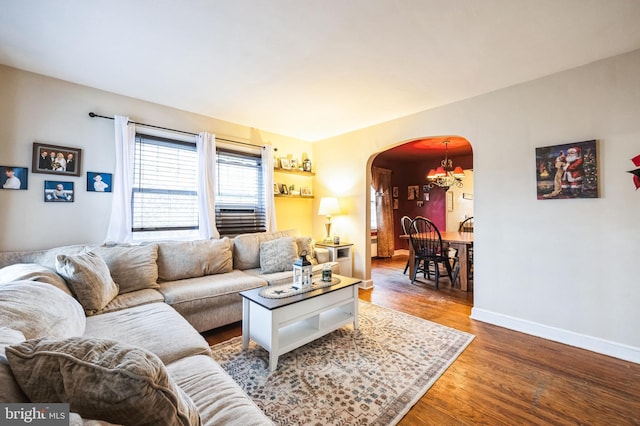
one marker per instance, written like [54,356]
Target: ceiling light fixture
[446,175]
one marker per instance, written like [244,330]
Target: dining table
[462,241]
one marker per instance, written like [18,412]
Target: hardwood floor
[503,377]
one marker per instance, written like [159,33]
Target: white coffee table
[282,325]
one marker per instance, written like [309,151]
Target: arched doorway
[412,194]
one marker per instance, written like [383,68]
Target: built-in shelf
[292,196]
[294,172]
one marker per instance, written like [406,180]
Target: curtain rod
[93,114]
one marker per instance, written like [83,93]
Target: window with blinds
[165,186]
[240,206]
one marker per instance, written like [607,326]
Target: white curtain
[206,146]
[120,224]
[267,178]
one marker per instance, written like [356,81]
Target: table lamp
[328,207]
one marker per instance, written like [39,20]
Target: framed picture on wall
[56,191]
[567,171]
[395,204]
[14,177]
[395,192]
[99,182]
[56,160]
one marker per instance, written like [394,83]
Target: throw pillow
[246,247]
[305,245]
[278,255]
[132,267]
[38,310]
[191,259]
[90,280]
[101,379]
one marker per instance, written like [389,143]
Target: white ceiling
[310,69]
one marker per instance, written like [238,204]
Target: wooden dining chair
[467,226]
[405,221]
[428,249]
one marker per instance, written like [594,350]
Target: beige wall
[38,108]
[561,269]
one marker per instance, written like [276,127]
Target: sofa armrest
[322,254]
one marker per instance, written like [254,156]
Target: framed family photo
[56,191]
[56,160]
[99,182]
[14,177]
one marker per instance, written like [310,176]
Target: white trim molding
[366,284]
[594,344]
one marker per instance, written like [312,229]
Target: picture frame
[284,163]
[284,189]
[293,163]
[413,192]
[58,191]
[567,171]
[395,192]
[305,191]
[13,177]
[99,182]
[449,201]
[56,160]
[467,196]
[276,189]
[395,204]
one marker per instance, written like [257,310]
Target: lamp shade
[458,172]
[328,206]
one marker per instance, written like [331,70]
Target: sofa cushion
[278,255]
[227,405]
[89,278]
[40,310]
[189,259]
[33,272]
[135,298]
[156,327]
[132,267]
[101,379]
[246,247]
[8,336]
[9,389]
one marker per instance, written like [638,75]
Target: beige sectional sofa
[79,323]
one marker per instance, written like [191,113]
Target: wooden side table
[341,253]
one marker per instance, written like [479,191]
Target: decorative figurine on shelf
[302,272]
[306,165]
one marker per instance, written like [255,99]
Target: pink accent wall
[410,173]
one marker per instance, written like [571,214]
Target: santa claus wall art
[567,171]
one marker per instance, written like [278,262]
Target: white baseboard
[605,347]
[366,284]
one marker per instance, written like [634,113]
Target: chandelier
[446,175]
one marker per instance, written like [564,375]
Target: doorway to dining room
[447,201]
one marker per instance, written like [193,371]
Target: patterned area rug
[369,377]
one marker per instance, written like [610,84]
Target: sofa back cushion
[101,379]
[89,278]
[190,259]
[33,272]
[45,257]
[132,267]
[38,310]
[246,247]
